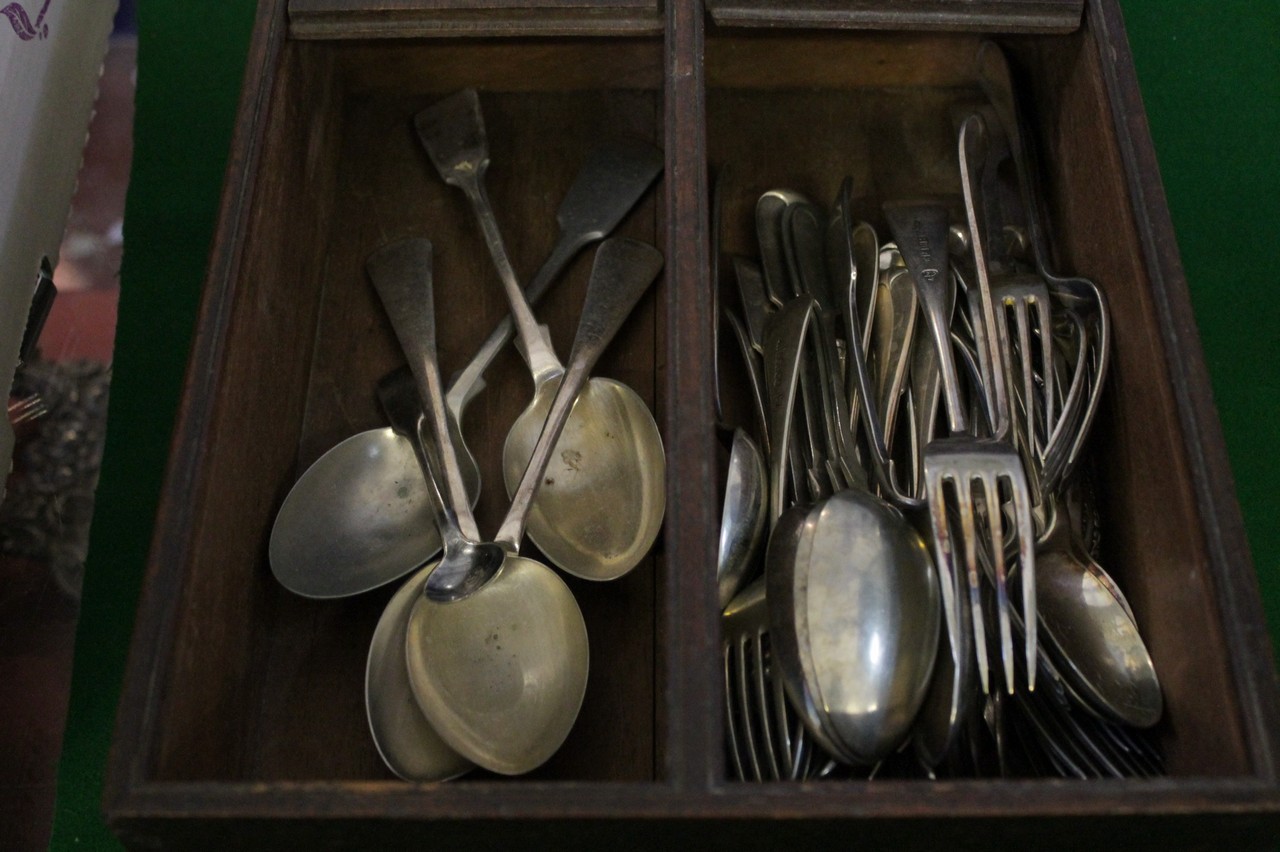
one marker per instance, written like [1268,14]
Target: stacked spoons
[496,649]
[360,517]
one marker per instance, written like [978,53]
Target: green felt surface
[1210,75]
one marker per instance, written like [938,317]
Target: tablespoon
[405,740]
[359,516]
[854,619]
[401,273]
[1092,631]
[496,646]
[603,500]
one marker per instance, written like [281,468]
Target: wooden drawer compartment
[242,719]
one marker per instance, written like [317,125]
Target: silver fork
[1021,297]
[1077,294]
[954,466]
[767,740]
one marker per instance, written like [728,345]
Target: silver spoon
[1092,631]
[496,646]
[405,740]
[742,516]
[359,516]
[742,520]
[854,617]
[602,503]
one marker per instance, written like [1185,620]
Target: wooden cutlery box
[242,721]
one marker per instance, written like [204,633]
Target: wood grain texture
[694,709]
[355,19]
[140,722]
[292,340]
[989,16]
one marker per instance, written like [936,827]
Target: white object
[51,55]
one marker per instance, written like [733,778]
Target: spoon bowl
[407,743]
[854,609]
[502,669]
[359,517]
[356,519]
[601,501]
[1096,642]
[743,516]
[1091,631]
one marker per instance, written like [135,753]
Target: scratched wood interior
[1153,540]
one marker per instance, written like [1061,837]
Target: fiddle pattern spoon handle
[402,275]
[452,131]
[622,272]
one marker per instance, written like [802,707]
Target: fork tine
[736,743]
[995,512]
[1044,311]
[943,548]
[968,528]
[760,685]
[1022,324]
[1021,496]
[781,716]
[801,753]
[1071,402]
[744,705]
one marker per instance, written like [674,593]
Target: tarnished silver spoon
[854,612]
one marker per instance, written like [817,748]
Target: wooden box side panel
[255,689]
[1153,535]
[267,318]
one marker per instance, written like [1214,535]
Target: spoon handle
[783,349]
[398,396]
[921,231]
[452,130]
[401,273]
[615,176]
[471,378]
[534,339]
[623,270]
